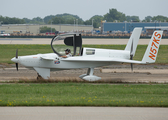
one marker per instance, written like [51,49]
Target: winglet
[134,40]
[153,48]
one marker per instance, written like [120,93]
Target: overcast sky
[85,9]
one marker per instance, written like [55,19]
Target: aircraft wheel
[39,76]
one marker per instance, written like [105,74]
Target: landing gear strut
[89,76]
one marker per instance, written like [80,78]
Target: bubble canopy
[70,41]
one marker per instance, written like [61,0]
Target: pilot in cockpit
[68,53]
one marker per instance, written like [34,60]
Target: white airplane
[87,57]
[5,34]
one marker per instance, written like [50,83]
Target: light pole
[77,24]
[74,25]
[92,26]
[51,27]
[131,27]
[0,25]
[60,25]
[155,24]
[125,26]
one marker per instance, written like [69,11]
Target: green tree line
[112,16]
[8,20]
[45,29]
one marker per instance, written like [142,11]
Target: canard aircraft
[83,57]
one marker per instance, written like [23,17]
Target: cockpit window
[67,41]
[90,51]
[58,44]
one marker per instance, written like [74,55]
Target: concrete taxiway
[83,113]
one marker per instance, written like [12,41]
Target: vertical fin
[134,37]
[153,48]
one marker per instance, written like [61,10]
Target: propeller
[131,55]
[16,58]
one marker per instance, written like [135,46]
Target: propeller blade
[131,52]
[17,66]
[17,58]
[131,55]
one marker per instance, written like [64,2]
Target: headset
[67,50]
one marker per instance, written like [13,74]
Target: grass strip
[82,94]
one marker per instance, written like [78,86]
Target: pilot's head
[67,51]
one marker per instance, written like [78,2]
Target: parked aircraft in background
[2,33]
[87,57]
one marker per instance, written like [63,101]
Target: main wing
[100,59]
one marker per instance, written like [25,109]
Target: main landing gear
[89,76]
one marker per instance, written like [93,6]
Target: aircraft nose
[14,60]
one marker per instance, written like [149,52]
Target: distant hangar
[127,27]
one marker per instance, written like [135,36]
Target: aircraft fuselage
[32,61]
